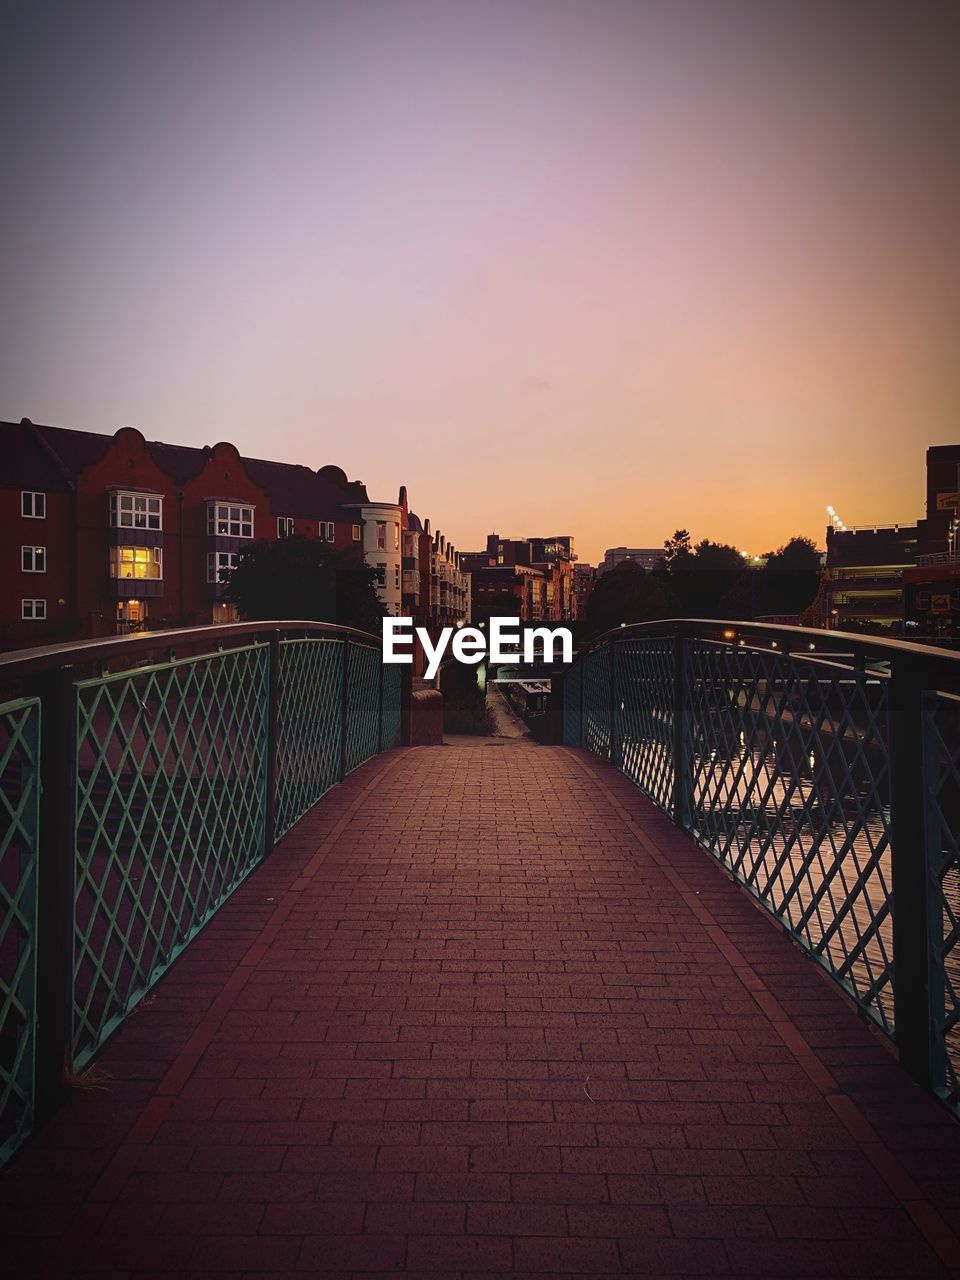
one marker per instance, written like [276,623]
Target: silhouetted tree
[300,578]
[677,552]
[789,580]
[707,582]
[626,594]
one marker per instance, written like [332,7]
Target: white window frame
[235,516]
[328,530]
[29,611]
[218,561]
[132,510]
[285,526]
[154,557]
[396,536]
[381,535]
[28,498]
[32,555]
[355,533]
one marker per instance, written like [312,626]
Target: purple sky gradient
[594,268]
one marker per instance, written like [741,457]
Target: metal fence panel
[791,790]
[392,694]
[363,705]
[596,701]
[308,725]
[572,694]
[644,693]
[19,837]
[941,750]
[170,818]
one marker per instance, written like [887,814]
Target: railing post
[681,781]
[273,726]
[913,996]
[616,753]
[55,888]
[344,708]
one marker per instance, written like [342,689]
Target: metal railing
[168,765]
[823,771]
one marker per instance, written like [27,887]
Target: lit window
[285,526]
[136,562]
[219,562]
[396,537]
[33,610]
[33,505]
[381,535]
[227,521]
[356,532]
[135,511]
[33,559]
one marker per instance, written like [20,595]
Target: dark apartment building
[537,572]
[115,533]
[901,578]
[645,557]
[584,580]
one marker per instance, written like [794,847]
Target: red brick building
[537,572]
[112,533]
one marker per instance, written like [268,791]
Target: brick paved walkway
[484,1012]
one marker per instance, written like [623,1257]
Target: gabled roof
[295,490]
[51,458]
[179,461]
[29,462]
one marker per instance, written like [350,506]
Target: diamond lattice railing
[595,725]
[19,835]
[789,786]
[363,704]
[170,817]
[571,706]
[644,693]
[392,693]
[941,750]
[308,725]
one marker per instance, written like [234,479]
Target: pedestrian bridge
[486,1008]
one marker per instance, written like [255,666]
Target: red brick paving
[485,1013]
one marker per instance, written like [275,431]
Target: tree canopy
[626,594]
[790,578]
[706,580]
[302,578]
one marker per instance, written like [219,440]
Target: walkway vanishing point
[486,1012]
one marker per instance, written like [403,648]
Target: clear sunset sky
[600,268]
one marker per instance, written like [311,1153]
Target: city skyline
[604,271]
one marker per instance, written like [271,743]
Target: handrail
[138,644]
[878,647]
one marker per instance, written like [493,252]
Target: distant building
[645,557]
[538,572]
[584,580]
[106,534]
[900,578]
